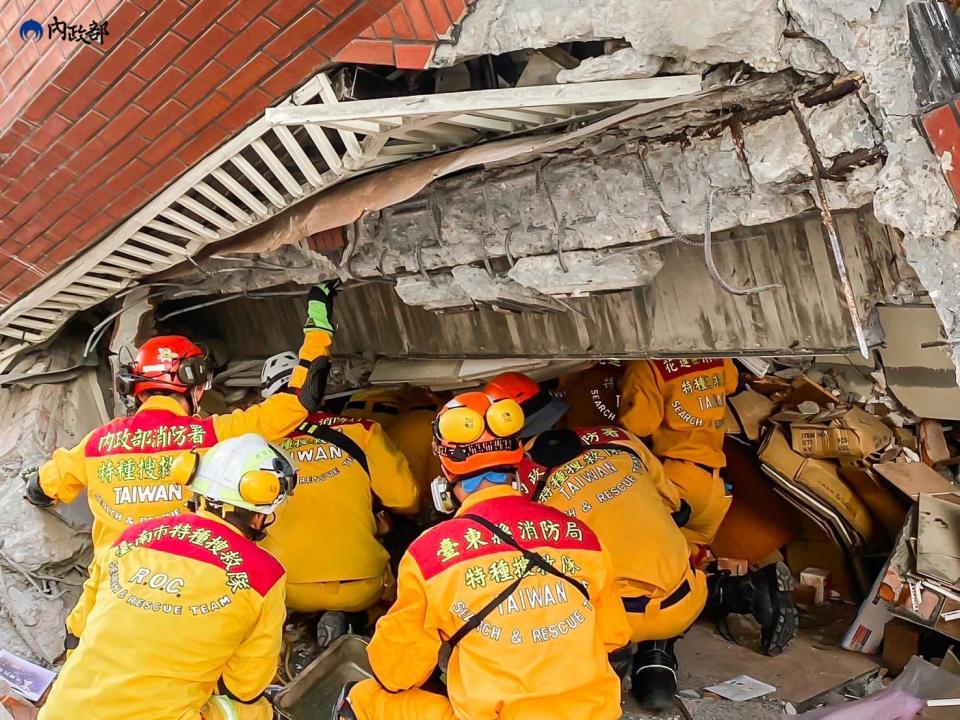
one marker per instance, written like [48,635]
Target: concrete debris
[809,57]
[440,292]
[723,31]
[625,63]
[776,150]
[603,199]
[588,271]
[913,196]
[841,127]
[502,292]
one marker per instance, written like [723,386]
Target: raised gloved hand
[320,307]
[33,493]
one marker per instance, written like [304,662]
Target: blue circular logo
[31,30]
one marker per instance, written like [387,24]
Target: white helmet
[245,472]
[276,373]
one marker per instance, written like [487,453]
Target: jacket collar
[481,496]
[162,402]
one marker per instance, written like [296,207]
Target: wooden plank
[106,283]
[291,145]
[277,167]
[223,202]
[604,92]
[28,321]
[480,122]
[254,176]
[171,229]
[154,258]
[244,195]
[123,262]
[203,211]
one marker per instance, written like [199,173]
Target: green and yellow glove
[320,307]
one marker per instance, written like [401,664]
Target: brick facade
[406,36]
[88,134]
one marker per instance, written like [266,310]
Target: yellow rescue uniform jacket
[618,487]
[326,531]
[681,405]
[542,653]
[124,466]
[183,608]
[412,434]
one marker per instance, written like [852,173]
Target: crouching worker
[186,613]
[608,478]
[344,466]
[524,595]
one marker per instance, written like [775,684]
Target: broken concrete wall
[38,545]
[603,200]
[860,36]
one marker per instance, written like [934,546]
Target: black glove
[315,386]
[682,516]
[34,494]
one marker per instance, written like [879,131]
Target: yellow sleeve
[731,375]
[641,401]
[274,418]
[390,475]
[406,644]
[252,666]
[280,414]
[77,619]
[611,617]
[64,476]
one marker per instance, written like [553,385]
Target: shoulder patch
[534,527]
[671,369]
[245,564]
[151,431]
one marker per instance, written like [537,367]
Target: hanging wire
[559,228]
[708,254]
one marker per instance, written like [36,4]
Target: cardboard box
[901,641]
[883,501]
[853,434]
[819,580]
[938,538]
[914,478]
[752,410]
[819,477]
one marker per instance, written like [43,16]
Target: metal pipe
[831,228]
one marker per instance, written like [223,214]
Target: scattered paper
[28,679]
[742,687]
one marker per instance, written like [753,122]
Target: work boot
[766,594]
[342,710]
[331,625]
[654,677]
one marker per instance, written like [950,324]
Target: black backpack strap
[533,559]
[335,437]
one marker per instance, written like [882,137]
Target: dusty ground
[812,664]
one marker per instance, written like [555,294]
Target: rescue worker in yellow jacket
[344,466]
[186,614]
[125,465]
[523,594]
[607,478]
[680,404]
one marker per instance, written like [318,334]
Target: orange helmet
[541,408]
[476,432]
[170,363]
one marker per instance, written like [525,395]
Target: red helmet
[169,363]
[541,408]
[476,432]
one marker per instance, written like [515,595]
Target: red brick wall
[89,134]
[406,36]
